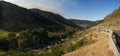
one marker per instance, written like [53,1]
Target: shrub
[33,38]
[12,40]
[11,35]
[77,45]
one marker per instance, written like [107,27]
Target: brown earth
[99,48]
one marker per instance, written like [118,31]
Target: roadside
[99,48]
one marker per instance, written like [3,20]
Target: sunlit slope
[98,48]
[112,20]
[101,45]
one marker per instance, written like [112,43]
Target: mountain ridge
[101,45]
[19,18]
[83,23]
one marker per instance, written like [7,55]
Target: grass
[96,44]
[3,33]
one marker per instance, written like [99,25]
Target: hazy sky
[73,9]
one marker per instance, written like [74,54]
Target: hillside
[13,16]
[24,30]
[54,17]
[112,20]
[33,32]
[101,45]
[83,23]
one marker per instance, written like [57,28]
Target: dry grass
[99,48]
[115,27]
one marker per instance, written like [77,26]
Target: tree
[12,40]
[11,35]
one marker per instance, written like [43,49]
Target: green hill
[15,18]
[26,29]
[54,17]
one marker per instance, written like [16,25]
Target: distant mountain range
[83,23]
[15,18]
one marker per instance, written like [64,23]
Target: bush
[12,40]
[11,35]
[82,42]
[33,38]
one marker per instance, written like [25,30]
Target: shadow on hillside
[1,17]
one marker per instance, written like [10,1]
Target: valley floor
[99,48]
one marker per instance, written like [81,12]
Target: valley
[37,32]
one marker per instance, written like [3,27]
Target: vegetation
[30,19]
[33,39]
[78,44]
[34,29]
[112,20]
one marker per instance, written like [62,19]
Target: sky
[73,9]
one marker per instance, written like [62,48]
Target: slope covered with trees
[13,16]
[24,29]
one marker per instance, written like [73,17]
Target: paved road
[116,35]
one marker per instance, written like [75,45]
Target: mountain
[27,29]
[15,18]
[111,21]
[54,17]
[83,23]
